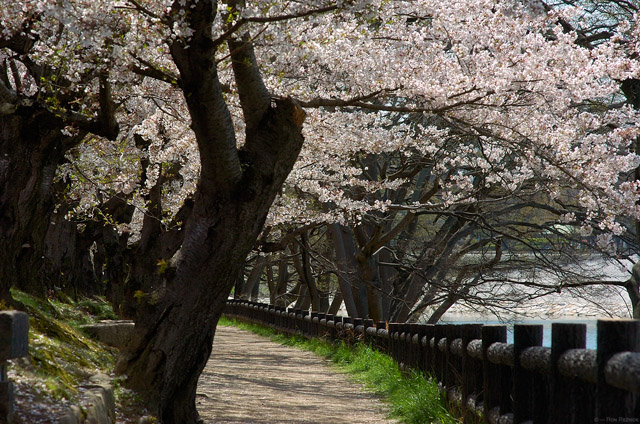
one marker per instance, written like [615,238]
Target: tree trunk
[387,275]
[632,286]
[368,270]
[323,292]
[302,263]
[174,332]
[345,269]
[31,147]
[279,295]
[336,303]
[253,281]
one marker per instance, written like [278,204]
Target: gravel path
[250,379]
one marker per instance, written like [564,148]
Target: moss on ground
[61,355]
[62,358]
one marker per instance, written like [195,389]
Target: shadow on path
[250,379]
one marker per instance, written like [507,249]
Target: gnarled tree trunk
[173,336]
[31,147]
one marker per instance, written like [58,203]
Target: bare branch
[359,103]
[151,71]
[268,19]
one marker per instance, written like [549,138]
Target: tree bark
[302,263]
[336,303]
[31,147]
[347,279]
[279,296]
[173,335]
[632,285]
[88,262]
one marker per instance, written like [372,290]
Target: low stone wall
[97,400]
[98,403]
[112,333]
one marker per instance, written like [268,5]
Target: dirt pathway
[250,379]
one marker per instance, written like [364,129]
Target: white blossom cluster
[528,99]
[492,93]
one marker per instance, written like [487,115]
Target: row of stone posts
[485,379]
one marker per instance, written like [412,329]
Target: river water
[591,324]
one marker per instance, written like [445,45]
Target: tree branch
[267,19]
[211,119]
[151,71]
[254,96]
[359,103]
[107,117]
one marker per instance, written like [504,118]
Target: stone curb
[98,400]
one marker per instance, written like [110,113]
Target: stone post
[14,342]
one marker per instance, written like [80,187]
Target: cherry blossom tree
[221,90]
[549,175]
[420,258]
[44,112]
[595,22]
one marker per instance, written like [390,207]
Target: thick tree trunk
[368,270]
[152,254]
[90,262]
[174,332]
[31,147]
[67,255]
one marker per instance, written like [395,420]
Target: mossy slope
[60,353]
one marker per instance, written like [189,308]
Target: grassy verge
[412,397]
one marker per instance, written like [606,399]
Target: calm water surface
[546,337]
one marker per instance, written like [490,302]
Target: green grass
[412,398]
